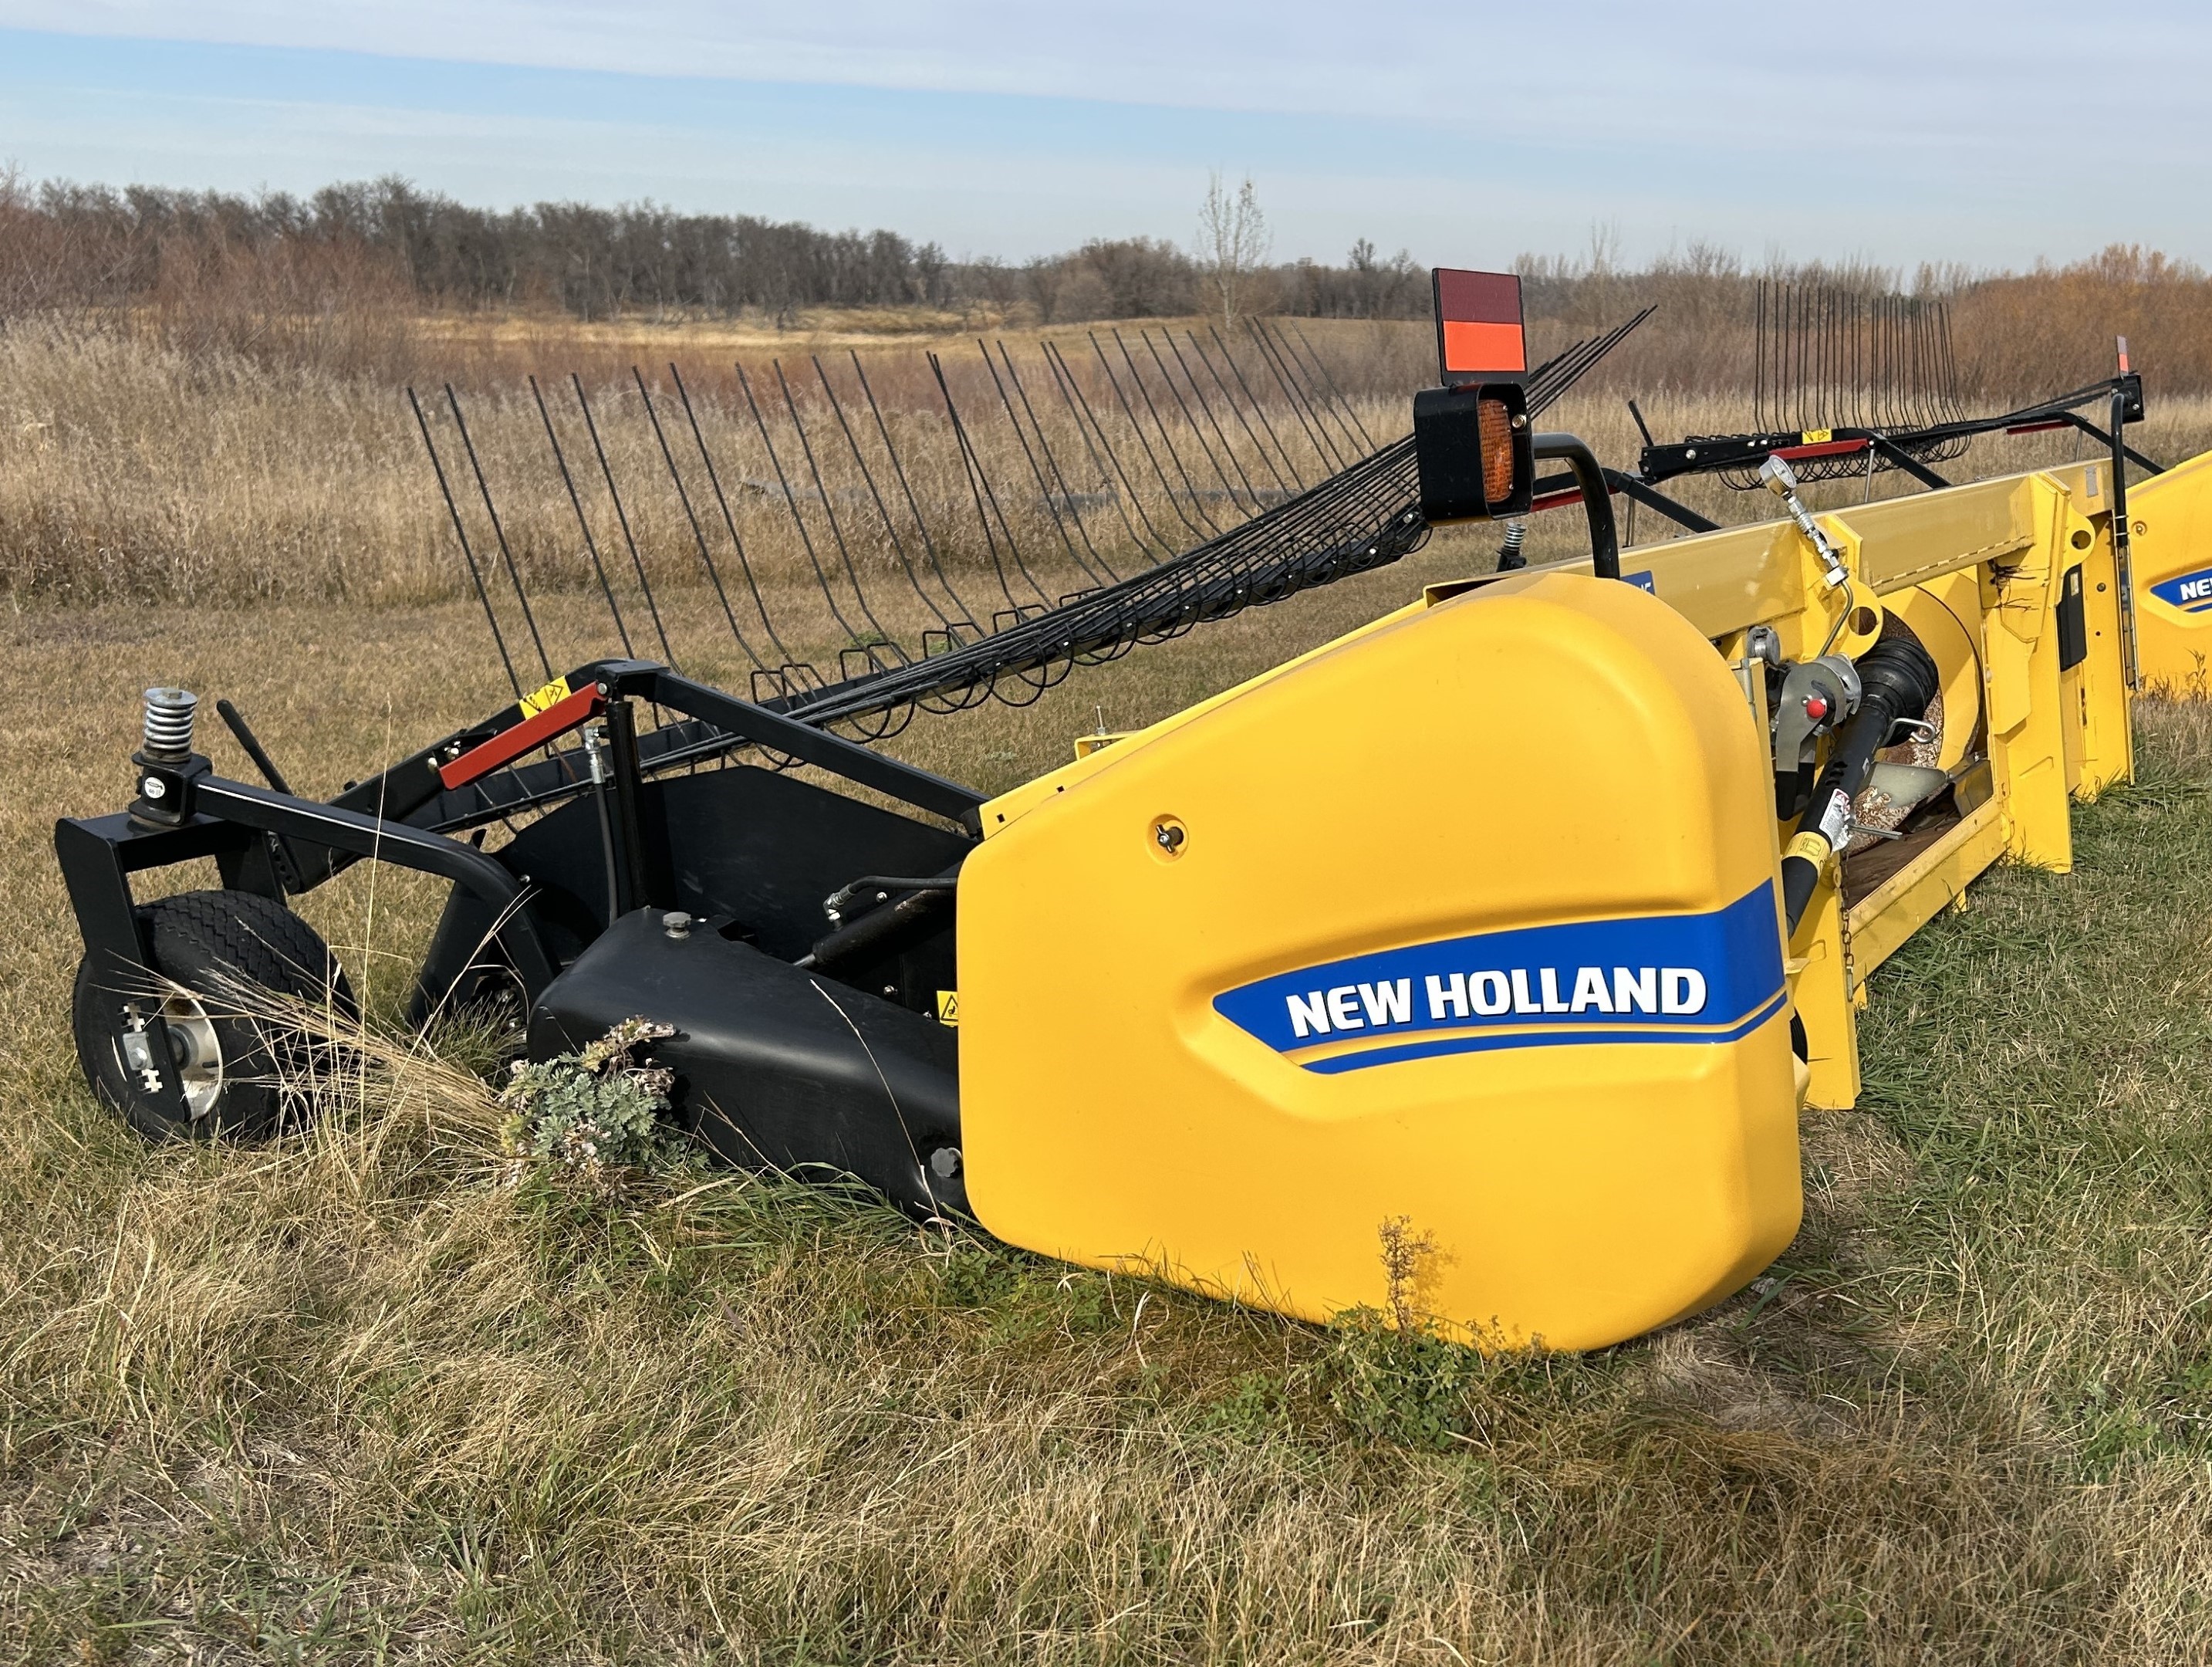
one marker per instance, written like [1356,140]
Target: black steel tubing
[311,823]
[1597,498]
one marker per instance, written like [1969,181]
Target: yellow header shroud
[1526,784]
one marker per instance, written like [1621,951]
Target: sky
[1991,133]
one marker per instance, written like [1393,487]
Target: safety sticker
[1816,436]
[1808,848]
[948,1007]
[551,695]
[1836,820]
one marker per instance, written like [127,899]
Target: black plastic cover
[776,1067]
[755,847]
[2073,622]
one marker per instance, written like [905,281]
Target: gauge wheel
[243,1075]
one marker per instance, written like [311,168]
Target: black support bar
[1597,496]
[303,822]
[861,765]
[1681,514]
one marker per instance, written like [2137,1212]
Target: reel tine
[1298,481]
[698,533]
[621,519]
[1213,375]
[729,521]
[1274,350]
[1206,405]
[836,529]
[1315,391]
[1129,414]
[890,529]
[969,471]
[1106,444]
[1151,348]
[967,615]
[1044,444]
[1070,395]
[1316,435]
[499,532]
[1036,471]
[583,522]
[468,555]
[1167,439]
[791,501]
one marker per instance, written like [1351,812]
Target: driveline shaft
[1899,680]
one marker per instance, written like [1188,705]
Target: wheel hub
[195,1051]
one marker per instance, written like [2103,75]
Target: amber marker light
[1495,428]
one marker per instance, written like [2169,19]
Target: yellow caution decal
[948,1007]
[1809,846]
[551,695]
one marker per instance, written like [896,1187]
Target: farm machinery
[1526,917]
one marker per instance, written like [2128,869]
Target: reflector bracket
[1480,335]
[1823,448]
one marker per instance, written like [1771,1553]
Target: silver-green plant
[593,1114]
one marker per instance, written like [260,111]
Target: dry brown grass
[129,470]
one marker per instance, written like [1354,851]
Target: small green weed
[593,1114]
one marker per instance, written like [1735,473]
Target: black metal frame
[279,844]
[1593,486]
[1901,448]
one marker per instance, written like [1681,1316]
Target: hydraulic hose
[884,931]
[1899,680]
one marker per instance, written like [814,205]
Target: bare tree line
[62,243]
[343,278]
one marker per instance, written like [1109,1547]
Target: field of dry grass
[129,470]
[350,1399]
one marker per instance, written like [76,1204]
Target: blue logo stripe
[1676,978]
[1337,1064]
[2189,591]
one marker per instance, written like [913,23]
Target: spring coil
[169,715]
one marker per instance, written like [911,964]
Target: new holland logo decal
[2189,591]
[1664,978]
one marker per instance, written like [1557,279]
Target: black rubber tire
[201,940]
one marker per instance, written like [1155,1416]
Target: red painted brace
[512,743]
